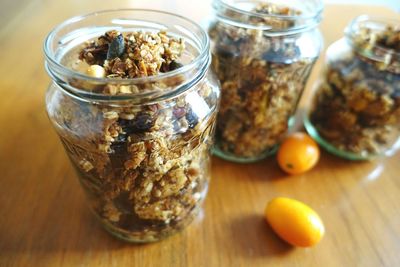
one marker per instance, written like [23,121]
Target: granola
[357,107]
[145,167]
[262,78]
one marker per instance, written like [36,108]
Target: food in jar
[144,166]
[357,106]
[262,76]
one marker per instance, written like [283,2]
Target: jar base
[150,238]
[234,158]
[312,131]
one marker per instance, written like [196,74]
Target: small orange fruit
[294,222]
[298,153]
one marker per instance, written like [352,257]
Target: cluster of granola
[262,78]
[275,10]
[390,38]
[134,54]
[145,167]
[380,44]
[357,107]
[127,55]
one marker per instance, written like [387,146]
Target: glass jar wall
[263,53]
[141,145]
[355,113]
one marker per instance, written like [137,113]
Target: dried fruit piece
[191,118]
[116,47]
[143,122]
[175,65]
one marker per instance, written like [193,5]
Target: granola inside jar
[134,104]
[355,112]
[263,53]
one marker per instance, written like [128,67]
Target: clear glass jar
[262,54]
[355,112]
[143,158]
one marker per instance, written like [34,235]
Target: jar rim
[351,32]
[202,60]
[307,21]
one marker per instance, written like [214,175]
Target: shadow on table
[268,170]
[264,170]
[253,237]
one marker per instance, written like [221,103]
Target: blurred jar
[355,113]
[141,151]
[263,53]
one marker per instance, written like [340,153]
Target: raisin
[164,67]
[192,118]
[282,55]
[116,48]
[175,65]
[171,66]
[225,53]
[141,123]
[179,112]
[119,154]
[396,96]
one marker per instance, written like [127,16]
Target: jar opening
[77,30]
[271,16]
[373,38]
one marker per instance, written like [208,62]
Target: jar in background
[355,113]
[140,146]
[263,52]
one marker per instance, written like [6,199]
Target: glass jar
[262,54]
[143,158]
[355,113]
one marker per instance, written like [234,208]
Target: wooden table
[44,220]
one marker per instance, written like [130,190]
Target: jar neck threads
[274,19]
[365,35]
[77,30]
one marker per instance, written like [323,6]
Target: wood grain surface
[44,220]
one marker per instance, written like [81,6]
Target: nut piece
[96,71]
